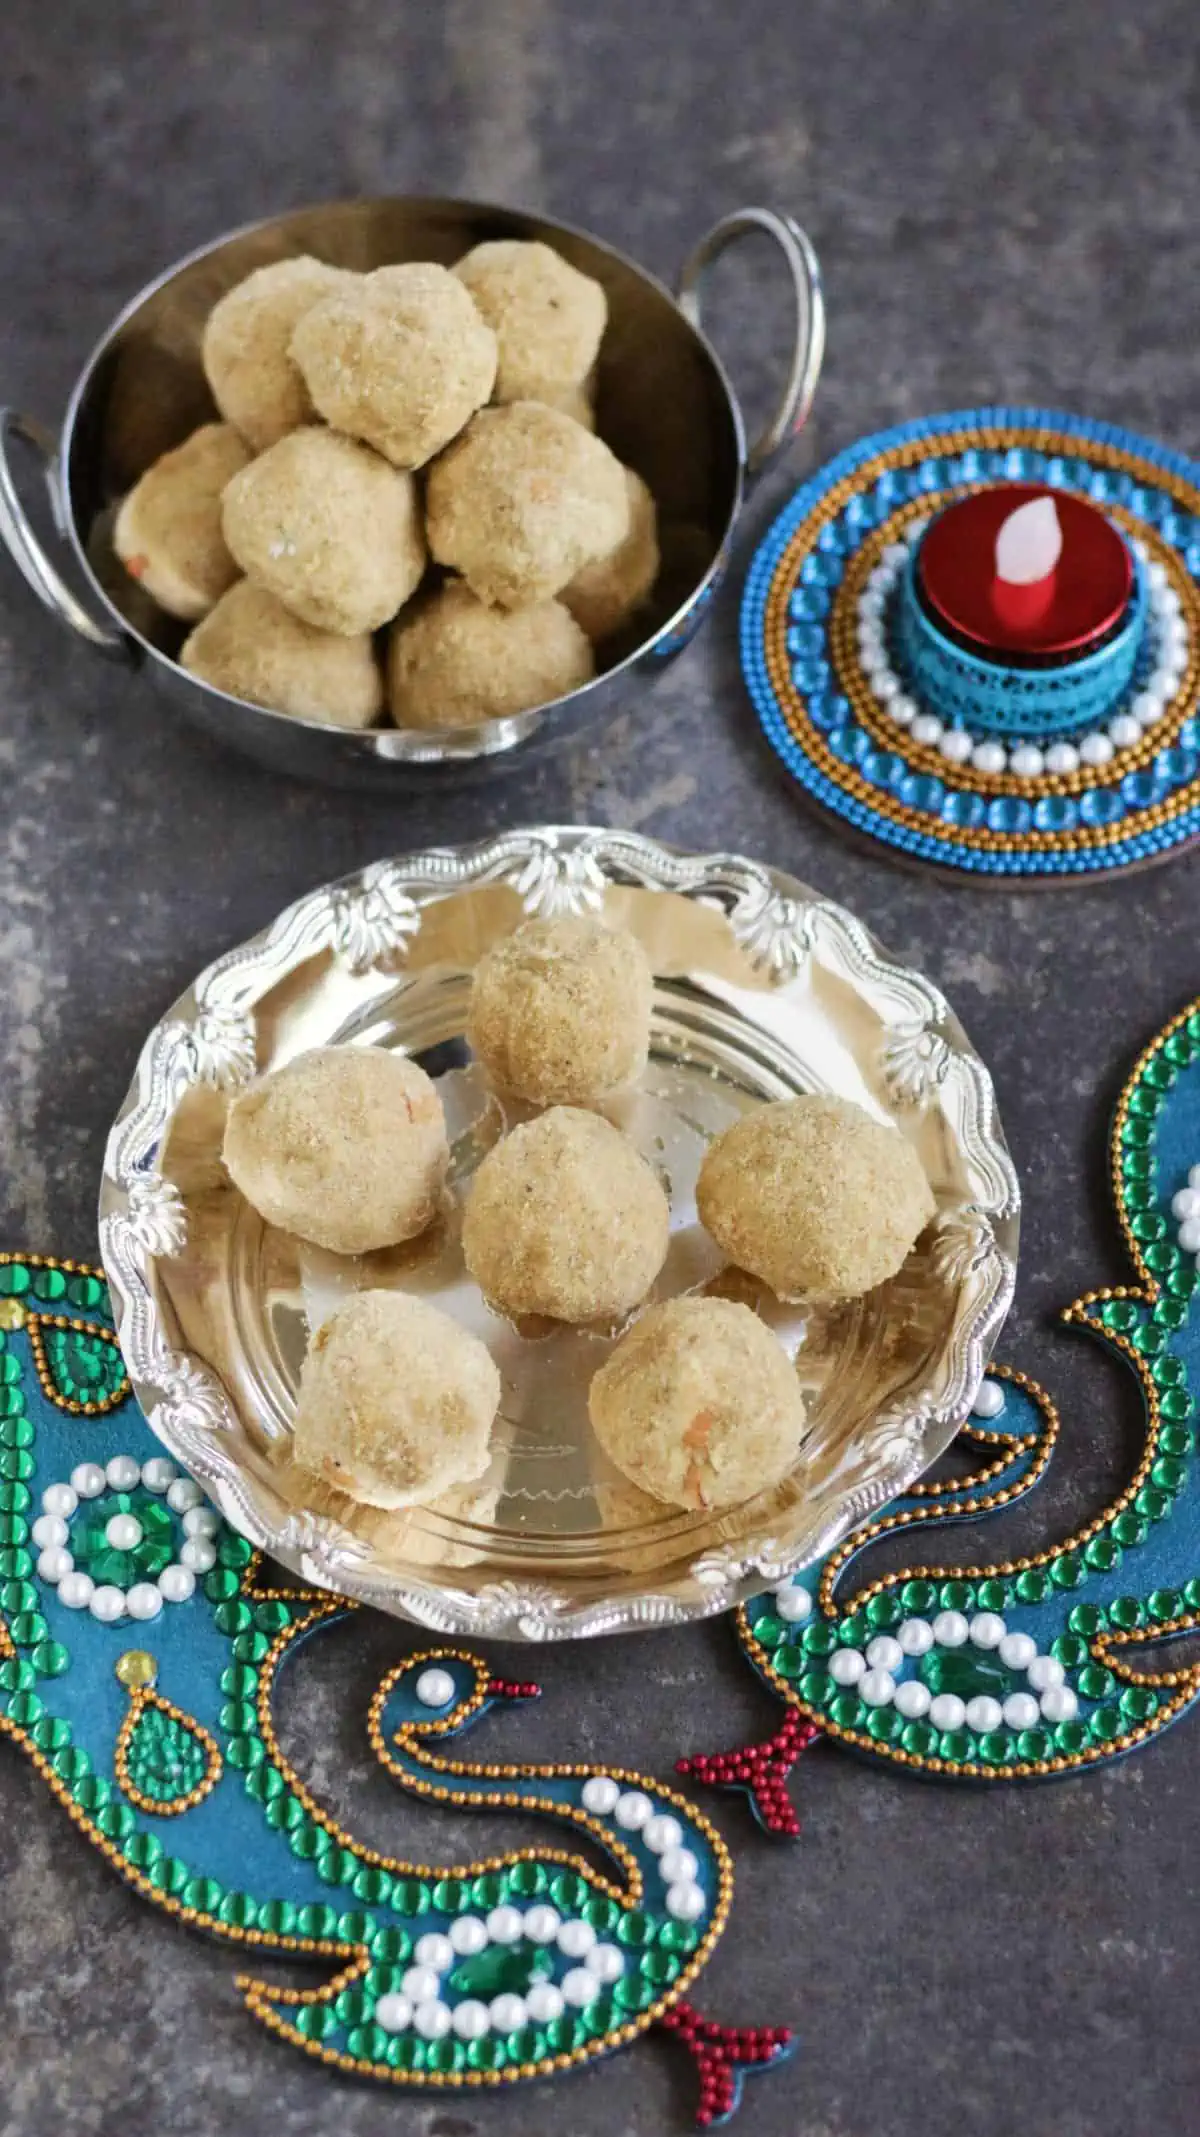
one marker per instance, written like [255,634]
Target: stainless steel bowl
[665,406]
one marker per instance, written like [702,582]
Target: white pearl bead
[177,1583]
[916,528]
[579,1987]
[884,1653]
[600,1794]
[984,1714]
[1027,760]
[1175,637]
[950,1628]
[201,1521]
[1185,1204]
[989,1399]
[880,580]
[107,1604]
[159,1473]
[123,1472]
[895,554]
[143,1600]
[1148,707]
[467,1935]
[1156,575]
[679,1866]
[183,1494]
[419,1983]
[1168,678]
[947,1711]
[471,2020]
[987,1629]
[847,1665]
[1060,1703]
[793,1604]
[1165,601]
[606,1962]
[505,1925]
[1062,757]
[870,642]
[1189,1235]
[1096,749]
[662,1832]
[1194,1177]
[877,1688]
[393,2013]
[686,1903]
[542,1924]
[903,710]
[124,1532]
[886,687]
[576,1938]
[634,1810]
[75,1590]
[912,1699]
[198,1554]
[49,1531]
[1045,1672]
[544,2002]
[989,757]
[1124,731]
[507,2013]
[915,1636]
[1017,1650]
[435,1950]
[432,2019]
[926,728]
[53,1562]
[873,602]
[956,745]
[1021,1710]
[88,1479]
[59,1499]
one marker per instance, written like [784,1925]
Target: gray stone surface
[1007,202]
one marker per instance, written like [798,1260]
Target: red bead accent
[761,1769]
[719,2053]
[510,1688]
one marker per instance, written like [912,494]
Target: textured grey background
[1007,203]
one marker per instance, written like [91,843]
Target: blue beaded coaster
[956,776]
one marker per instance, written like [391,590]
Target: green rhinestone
[50,1658]
[487,2054]
[28,1628]
[143,1850]
[1069,1650]
[965,1671]
[368,2043]
[277,1918]
[1170,1312]
[24,1708]
[1159,1257]
[956,1746]
[1143,1100]
[353,2006]
[238,1717]
[526,1879]
[1137,1133]
[1177,1440]
[272,1617]
[635,1993]
[1183,1279]
[1129,1529]
[391,1946]
[245,1751]
[18,1595]
[387,1980]
[569,1891]
[1149,1225]
[847,1710]
[660,1966]
[307,1842]
[1164,1604]
[1177,1405]
[1095,1682]
[239,1910]
[920,1738]
[315,2020]
[884,1611]
[526,2045]
[816,1688]
[10,1369]
[234,1551]
[820,1639]
[14,1280]
[1032,1585]
[235,1617]
[1139,1702]
[204,1894]
[919,1597]
[49,1284]
[769,1630]
[488,1890]
[15,1498]
[355,1926]
[635,1929]
[283,1812]
[1191,1594]
[16,1432]
[791,1660]
[681,1937]
[411,1896]
[1151,1502]
[1068,1571]
[90,1792]
[406,2053]
[446,2055]
[1103,1554]
[13,1529]
[51,1733]
[996,1748]
[317,1921]
[1120,1313]
[1034,1745]
[1070,1737]
[12,1402]
[1106,1725]
[856,1631]
[16,1464]
[372,1885]
[1125,1613]
[885,1725]
[239,1682]
[1086,1618]
[249,1646]
[17,1675]
[221,1586]
[602,1913]
[167,1874]
[1178,1048]
[992,1595]
[86,1291]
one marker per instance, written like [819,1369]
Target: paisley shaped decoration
[78,1363]
[165,1761]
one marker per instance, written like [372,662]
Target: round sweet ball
[607,593]
[396,1401]
[565,1218]
[548,318]
[560,1011]
[400,358]
[168,530]
[329,528]
[344,1146]
[698,1404]
[246,343]
[522,501]
[452,661]
[814,1197]
[252,647]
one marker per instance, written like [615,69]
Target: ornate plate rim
[365,920]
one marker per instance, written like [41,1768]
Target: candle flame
[1029,543]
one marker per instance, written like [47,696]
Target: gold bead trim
[142,1696]
[1010,1444]
[34,1325]
[1116,1177]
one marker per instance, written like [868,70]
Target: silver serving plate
[761,990]
[665,405]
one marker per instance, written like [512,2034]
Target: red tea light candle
[1020,574]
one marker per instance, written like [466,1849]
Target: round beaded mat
[828,683]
